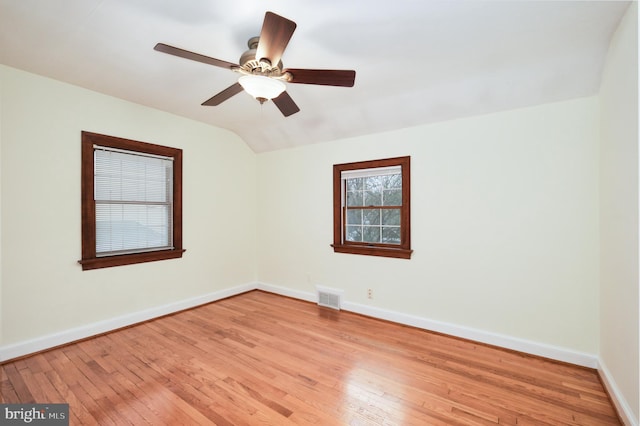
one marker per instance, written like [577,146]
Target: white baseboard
[477,335]
[56,339]
[49,341]
[284,291]
[508,342]
[27,347]
[621,404]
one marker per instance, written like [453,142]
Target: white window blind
[133,196]
[377,171]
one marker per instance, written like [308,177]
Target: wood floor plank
[17,384]
[259,358]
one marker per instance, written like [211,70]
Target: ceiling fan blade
[176,51]
[344,78]
[230,91]
[274,37]
[285,104]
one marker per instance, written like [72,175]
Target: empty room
[364,213]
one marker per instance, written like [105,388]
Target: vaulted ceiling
[416,61]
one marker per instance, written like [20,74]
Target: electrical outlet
[370,294]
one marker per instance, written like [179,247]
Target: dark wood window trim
[89,259]
[402,250]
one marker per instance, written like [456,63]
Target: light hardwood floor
[259,358]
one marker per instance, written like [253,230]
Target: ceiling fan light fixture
[262,88]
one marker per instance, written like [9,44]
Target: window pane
[391,235]
[354,198]
[354,233]
[391,217]
[354,184]
[392,181]
[371,234]
[373,183]
[354,216]
[392,197]
[373,198]
[371,217]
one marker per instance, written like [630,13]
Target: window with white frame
[372,208]
[131,201]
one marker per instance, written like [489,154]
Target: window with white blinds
[133,201]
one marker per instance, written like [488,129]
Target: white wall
[1,108]
[504,223]
[619,212]
[44,290]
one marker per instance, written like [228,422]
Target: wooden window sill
[398,253]
[129,259]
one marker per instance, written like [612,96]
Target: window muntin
[131,202]
[371,207]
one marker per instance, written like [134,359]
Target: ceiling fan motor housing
[249,64]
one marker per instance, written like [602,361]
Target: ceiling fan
[263,75]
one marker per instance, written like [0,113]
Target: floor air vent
[329,298]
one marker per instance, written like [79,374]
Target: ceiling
[416,61]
